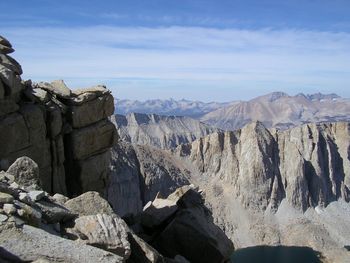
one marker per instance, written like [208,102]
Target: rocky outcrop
[35,226]
[262,185]
[182,225]
[104,231]
[308,165]
[139,173]
[88,203]
[67,133]
[165,132]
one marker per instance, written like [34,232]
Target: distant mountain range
[276,109]
[194,109]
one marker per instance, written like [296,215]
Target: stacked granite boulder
[67,133]
[38,227]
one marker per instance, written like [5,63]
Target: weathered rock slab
[91,111]
[92,140]
[89,203]
[31,243]
[105,231]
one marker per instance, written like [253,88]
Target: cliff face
[139,173]
[277,187]
[164,132]
[307,165]
[65,132]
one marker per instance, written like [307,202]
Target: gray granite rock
[9,209]
[5,198]
[11,63]
[89,203]
[30,243]
[57,88]
[105,231]
[5,49]
[25,171]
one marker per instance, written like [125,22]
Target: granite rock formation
[37,226]
[307,165]
[271,187]
[67,133]
[163,132]
[55,140]
[139,173]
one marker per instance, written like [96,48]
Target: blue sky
[200,50]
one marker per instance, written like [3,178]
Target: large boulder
[26,172]
[192,235]
[104,231]
[89,203]
[143,252]
[57,87]
[156,212]
[53,212]
[183,226]
[29,244]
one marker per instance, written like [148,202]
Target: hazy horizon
[199,50]
[213,101]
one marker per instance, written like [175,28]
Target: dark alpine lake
[276,254]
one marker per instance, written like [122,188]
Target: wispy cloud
[159,60]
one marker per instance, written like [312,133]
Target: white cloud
[188,56]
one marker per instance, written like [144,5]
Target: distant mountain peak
[273,96]
[318,96]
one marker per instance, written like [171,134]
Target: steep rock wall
[67,133]
[309,165]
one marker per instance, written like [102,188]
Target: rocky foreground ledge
[38,227]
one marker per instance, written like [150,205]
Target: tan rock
[105,231]
[60,199]
[89,203]
[81,96]
[30,243]
[92,140]
[156,212]
[57,88]
[5,198]
[91,111]
[9,209]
